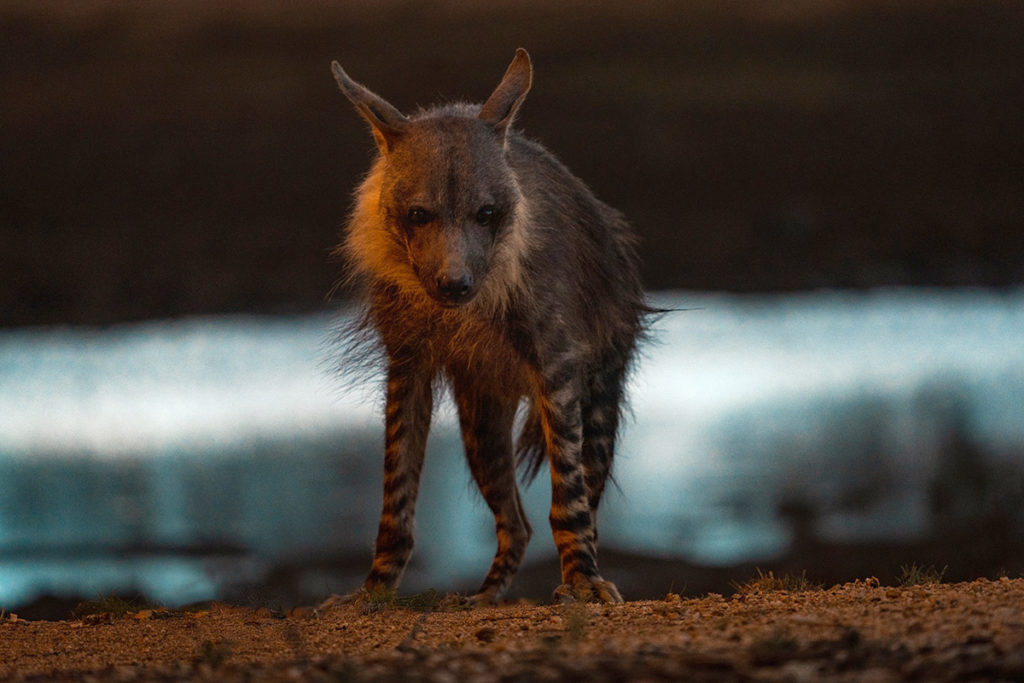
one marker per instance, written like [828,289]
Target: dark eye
[486,215]
[419,216]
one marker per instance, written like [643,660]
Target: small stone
[302,612]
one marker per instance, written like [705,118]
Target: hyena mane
[482,262]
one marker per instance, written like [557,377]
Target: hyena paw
[455,602]
[488,596]
[335,600]
[587,589]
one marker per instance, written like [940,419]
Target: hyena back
[487,265]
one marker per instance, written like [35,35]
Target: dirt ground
[856,631]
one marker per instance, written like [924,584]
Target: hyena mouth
[446,302]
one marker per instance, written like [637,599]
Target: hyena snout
[455,288]
[450,266]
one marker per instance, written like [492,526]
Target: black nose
[455,289]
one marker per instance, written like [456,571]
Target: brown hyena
[487,265]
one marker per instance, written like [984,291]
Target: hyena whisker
[484,265]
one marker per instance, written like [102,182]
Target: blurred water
[177,457]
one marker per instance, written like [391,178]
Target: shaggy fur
[486,264]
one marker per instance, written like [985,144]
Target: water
[176,457]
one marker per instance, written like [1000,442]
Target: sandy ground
[857,631]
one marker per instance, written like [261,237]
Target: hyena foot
[454,602]
[336,600]
[486,596]
[368,593]
[587,589]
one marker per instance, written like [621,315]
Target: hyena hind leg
[571,517]
[486,424]
[600,415]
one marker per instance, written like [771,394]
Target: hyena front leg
[406,422]
[572,522]
[486,423]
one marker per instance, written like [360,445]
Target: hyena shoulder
[582,256]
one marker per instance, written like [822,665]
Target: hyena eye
[419,216]
[486,215]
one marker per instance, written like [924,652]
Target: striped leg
[406,422]
[572,522]
[600,424]
[486,424]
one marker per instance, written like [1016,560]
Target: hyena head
[443,200]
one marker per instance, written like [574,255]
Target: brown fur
[484,262]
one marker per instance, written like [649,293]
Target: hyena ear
[500,108]
[386,122]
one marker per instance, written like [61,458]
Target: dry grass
[767,582]
[914,575]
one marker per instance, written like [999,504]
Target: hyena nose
[455,289]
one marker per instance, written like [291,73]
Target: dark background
[164,158]
[167,158]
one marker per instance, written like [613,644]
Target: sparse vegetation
[377,600]
[576,619]
[113,605]
[767,582]
[381,599]
[914,575]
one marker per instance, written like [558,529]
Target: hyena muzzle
[486,265]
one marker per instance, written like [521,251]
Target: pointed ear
[386,122]
[500,108]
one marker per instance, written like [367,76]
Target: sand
[856,631]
